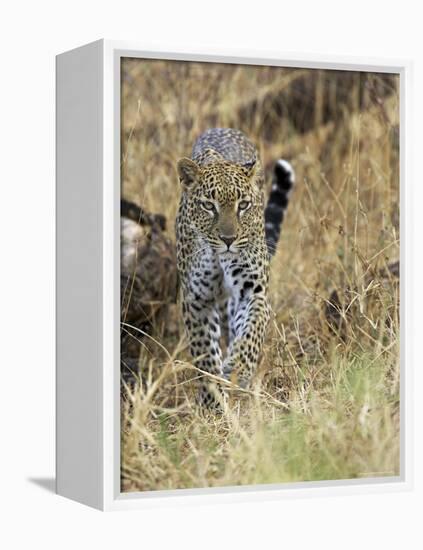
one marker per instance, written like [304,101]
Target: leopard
[225,238]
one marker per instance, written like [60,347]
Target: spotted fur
[223,257]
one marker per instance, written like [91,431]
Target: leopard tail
[282,184]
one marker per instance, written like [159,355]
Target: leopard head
[224,202]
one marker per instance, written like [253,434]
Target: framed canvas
[230,276]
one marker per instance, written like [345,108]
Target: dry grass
[325,403]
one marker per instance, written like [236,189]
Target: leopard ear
[250,166]
[254,171]
[188,172]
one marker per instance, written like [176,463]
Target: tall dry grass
[325,401]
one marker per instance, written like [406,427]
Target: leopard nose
[228,239]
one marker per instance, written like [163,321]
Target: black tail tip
[284,177]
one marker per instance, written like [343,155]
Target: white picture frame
[88,268]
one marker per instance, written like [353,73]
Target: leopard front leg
[250,323]
[202,326]
[249,315]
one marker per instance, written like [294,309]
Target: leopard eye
[207,205]
[243,205]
